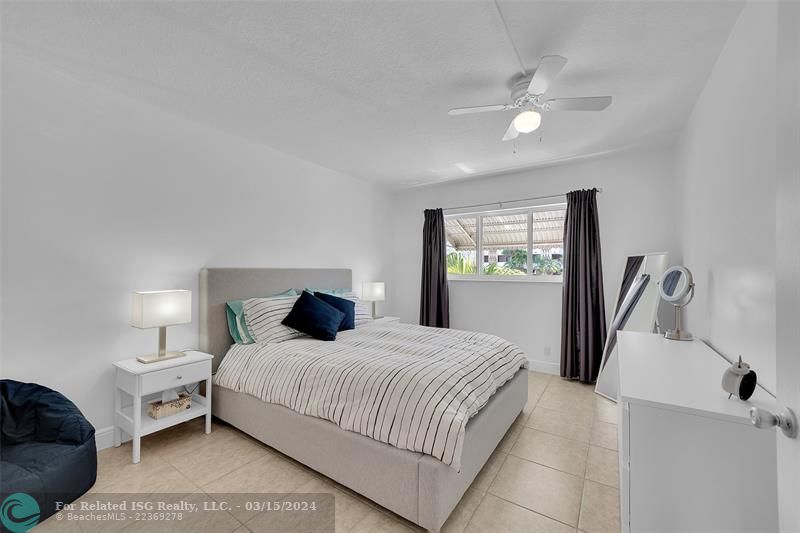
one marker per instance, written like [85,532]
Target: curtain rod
[500,204]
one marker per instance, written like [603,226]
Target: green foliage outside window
[458,264]
[516,259]
[514,266]
[547,266]
[493,269]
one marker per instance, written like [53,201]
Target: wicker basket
[159,409]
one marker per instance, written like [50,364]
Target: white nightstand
[144,382]
[387,319]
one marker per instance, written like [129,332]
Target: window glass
[505,249]
[461,235]
[548,242]
[505,244]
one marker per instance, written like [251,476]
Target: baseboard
[104,438]
[545,367]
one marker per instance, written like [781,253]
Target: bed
[416,486]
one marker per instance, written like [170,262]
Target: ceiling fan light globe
[527,121]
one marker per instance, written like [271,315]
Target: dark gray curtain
[583,316]
[434,306]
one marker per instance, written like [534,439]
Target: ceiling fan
[527,95]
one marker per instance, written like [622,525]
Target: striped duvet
[413,387]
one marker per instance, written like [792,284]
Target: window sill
[507,279]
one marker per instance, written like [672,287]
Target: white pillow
[264,317]
[363,309]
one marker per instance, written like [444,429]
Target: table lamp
[159,309]
[373,291]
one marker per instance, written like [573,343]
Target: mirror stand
[679,334]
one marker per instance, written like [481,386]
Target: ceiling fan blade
[478,109]
[589,103]
[511,132]
[546,72]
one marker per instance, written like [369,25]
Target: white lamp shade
[154,309]
[373,291]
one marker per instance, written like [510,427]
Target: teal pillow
[327,291]
[237,325]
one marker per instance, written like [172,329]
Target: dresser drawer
[175,377]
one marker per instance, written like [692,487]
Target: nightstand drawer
[175,377]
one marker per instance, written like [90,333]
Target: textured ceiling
[364,88]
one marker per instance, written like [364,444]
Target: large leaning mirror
[636,309]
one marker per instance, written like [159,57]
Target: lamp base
[678,335]
[155,358]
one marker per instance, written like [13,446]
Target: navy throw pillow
[345,306]
[314,317]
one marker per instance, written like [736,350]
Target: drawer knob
[180,377]
[785,420]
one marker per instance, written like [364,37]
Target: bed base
[415,486]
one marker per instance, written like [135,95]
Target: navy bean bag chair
[47,447]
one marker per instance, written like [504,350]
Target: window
[505,244]
[461,233]
[525,244]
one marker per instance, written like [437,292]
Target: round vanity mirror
[676,284]
[677,287]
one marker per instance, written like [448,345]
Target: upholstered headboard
[220,285]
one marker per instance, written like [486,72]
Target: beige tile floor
[555,471]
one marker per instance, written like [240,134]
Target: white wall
[726,163]
[636,215]
[103,195]
[788,256]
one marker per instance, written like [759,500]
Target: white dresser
[690,460]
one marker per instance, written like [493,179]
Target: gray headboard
[219,285]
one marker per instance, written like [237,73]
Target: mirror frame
[644,319]
[678,295]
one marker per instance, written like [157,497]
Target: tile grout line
[587,468]
[557,435]
[472,514]
[236,434]
[228,512]
[586,464]
[484,493]
[488,490]
[226,473]
[547,466]
[583,486]
[535,512]
[550,467]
